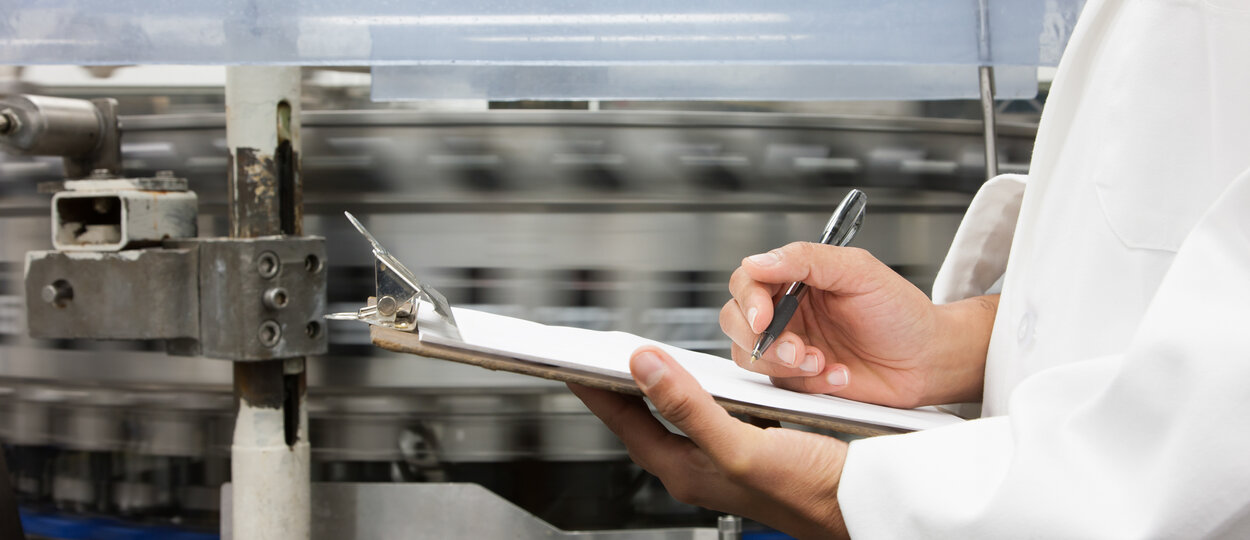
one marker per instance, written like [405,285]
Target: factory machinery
[613,219]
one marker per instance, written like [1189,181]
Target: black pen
[841,228]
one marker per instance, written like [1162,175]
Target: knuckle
[798,249]
[678,409]
[859,255]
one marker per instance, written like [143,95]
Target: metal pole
[729,528]
[986,73]
[987,120]
[270,453]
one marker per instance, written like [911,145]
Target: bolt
[270,333]
[388,305]
[268,265]
[58,293]
[8,122]
[275,298]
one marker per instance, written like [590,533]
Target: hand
[863,332]
[787,479]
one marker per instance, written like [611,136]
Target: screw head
[268,265]
[270,333]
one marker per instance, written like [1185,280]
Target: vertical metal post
[729,527]
[987,120]
[270,453]
[986,74]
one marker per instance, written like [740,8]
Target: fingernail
[837,377]
[785,352]
[809,364]
[649,369]
[751,314]
[765,259]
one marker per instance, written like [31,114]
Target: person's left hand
[784,478]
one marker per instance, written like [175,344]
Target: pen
[841,228]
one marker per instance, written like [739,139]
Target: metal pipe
[270,452]
[729,527]
[986,74]
[987,119]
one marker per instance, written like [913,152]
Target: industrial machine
[166,256]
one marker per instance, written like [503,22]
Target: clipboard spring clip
[398,292]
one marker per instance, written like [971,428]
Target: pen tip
[754,357]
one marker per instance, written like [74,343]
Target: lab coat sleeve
[977,258]
[1150,443]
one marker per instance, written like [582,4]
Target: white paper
[608,353]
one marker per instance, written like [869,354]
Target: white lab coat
[1117,391]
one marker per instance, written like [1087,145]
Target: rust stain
[254,195]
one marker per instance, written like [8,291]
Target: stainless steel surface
[84,132]
[360,511]
[398,293]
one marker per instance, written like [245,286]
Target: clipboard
[408,342]
[410,316]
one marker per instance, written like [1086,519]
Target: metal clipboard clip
[399,294]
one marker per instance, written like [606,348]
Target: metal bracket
[398,292]
[115,214]
[240,299]
[261,298]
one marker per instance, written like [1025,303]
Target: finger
[791,352]
[650,444]
[754,298]
[734,325]
[688,472]
[833,381]
[806,361]
[679,398]
[839,269]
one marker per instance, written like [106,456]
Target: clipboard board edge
[410,343]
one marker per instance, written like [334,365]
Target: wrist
[963,339]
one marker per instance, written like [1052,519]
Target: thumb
[682,401]
[830,268]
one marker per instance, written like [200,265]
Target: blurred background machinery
[628,217]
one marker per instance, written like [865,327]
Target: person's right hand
[863,332]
